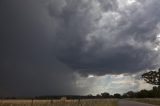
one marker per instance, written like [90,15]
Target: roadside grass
[82,102]
[154,101]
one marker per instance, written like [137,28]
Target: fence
[95,102]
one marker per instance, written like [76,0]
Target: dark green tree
[98,95]
[152,77]
[105,95]
[144,94]
[117,95]
[130,94]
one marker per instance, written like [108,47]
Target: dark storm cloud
[44,42]
[28,65]
[99,37]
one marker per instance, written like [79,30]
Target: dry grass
[154,101]
[85,102]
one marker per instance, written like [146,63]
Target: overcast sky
[55,47]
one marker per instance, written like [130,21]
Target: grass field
[83,102]
[155,101]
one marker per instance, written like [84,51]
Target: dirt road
[131,103]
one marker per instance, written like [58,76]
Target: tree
[124,95]
[105,95]
[98,95]
[117,95]
[89,95]
[152,77]
[130,94]
[144,94]
[156,91]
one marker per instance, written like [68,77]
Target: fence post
[0,102]
[51,102]
[32,102]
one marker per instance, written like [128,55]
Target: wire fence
[91,102]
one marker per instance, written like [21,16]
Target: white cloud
[113,83]
[157,44]
[131,1]
[124,3]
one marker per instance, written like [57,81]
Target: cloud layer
[45,42]
[99,36]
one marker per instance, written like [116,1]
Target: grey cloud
[108,5]
[95,41]
[44,42]
[28,63]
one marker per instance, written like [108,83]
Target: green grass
[154,101]
[83,102]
